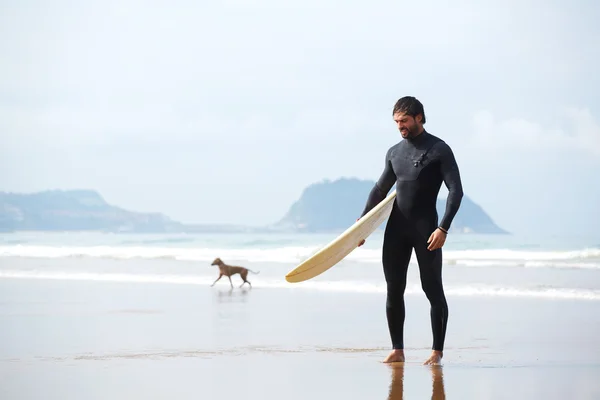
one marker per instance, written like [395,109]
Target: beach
[82,326]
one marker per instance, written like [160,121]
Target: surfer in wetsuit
[417,165]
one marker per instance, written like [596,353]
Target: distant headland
[322,207]
[335,205]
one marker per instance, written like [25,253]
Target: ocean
[474,265]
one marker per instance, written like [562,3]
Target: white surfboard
[344,244]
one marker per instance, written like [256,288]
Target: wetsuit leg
[430,268]
[397,250]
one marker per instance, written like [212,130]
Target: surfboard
[344,244]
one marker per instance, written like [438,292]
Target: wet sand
[97,340]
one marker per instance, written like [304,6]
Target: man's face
[407,125]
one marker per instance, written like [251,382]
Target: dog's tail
[257,272]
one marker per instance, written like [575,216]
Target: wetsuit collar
[420,137]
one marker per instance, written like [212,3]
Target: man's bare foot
[397,355]
[435,358]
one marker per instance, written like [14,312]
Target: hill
[73,210]
[335,205]
[322,207]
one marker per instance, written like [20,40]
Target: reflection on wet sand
[397,386]
[231,295]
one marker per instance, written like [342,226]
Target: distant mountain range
[74,210]
[323,206]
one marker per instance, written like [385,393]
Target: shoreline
[353,286]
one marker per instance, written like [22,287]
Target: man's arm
[382,186]
[451,175]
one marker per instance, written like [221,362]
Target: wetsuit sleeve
[382,186]
[451,175]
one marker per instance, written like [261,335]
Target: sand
[99,340]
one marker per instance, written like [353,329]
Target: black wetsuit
[417,166]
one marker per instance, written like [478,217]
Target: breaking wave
[578,259]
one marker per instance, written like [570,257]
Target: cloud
[182,95]
[585,130]
[581,133]
[533,176]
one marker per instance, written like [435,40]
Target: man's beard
[409,133]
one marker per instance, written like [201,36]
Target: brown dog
[229,270]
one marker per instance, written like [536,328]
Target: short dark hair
[410,106]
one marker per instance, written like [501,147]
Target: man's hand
[436,240]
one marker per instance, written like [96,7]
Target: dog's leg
[220,276]
[244,275]
[231,283]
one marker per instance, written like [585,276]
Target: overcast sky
[225,111]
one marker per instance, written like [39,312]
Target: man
[417,165]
